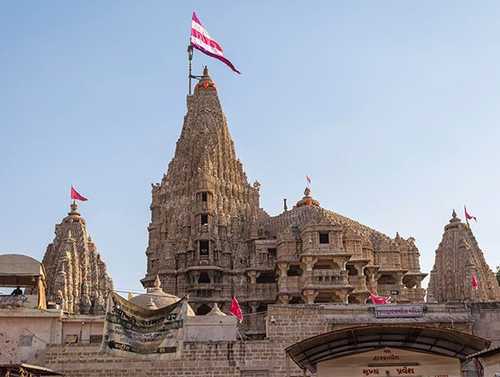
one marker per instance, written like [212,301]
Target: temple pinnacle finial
[206,83]
[454,218]
[73,207]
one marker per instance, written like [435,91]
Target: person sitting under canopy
[17,292]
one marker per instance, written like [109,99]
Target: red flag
[468,216]
[474,282]
[236,310]
[201,40]
[379,299]
[76,196]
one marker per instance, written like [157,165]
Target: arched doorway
[386,350]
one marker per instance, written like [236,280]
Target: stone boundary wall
[217,359]
[286,325]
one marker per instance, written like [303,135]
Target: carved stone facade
[325,257]
[76,275]
[458,259]
[209,238]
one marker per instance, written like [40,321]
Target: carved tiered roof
[208,237]
[76,274]
[203,197]
[458,259]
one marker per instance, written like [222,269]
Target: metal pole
[190,59]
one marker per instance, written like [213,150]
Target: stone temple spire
[458,258]
[76,275]
[201,209]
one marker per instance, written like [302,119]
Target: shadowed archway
[445,342]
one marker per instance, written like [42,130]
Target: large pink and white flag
[202,41]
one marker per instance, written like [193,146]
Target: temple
[458,261]
[209,238]
[76,276]
[303,279]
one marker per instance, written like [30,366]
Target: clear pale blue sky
[391,107]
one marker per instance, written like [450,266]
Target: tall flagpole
[190,59]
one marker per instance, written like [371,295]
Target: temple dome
[156,298]
[307,200]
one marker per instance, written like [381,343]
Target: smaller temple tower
[458,259]
[76,275]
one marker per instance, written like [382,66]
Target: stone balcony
[203,207]
[291,285]
[326,279]
[262,292]
[263,262]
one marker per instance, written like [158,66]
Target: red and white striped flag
[201,40]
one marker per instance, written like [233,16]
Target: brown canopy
[17,270]
[446,342]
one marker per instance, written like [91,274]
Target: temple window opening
[324,238]
[204,219]
[204,247]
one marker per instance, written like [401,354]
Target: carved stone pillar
[309,263]
[343,296]
[309,295]
[284,298]
[252,276]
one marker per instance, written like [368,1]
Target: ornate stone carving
[458,258]
[76,275]
[208,237]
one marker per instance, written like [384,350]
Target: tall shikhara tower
[203,210]
[76,274]
[209,239]
[458,258]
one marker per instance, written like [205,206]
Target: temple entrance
[391,362]
[386,351]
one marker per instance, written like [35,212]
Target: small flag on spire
[201,40]
[236,310]
[474,281]
[76,196]
[308,179]
[468,216]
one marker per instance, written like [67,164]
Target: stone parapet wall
[218,359]
[286,325]
[291,323]
[486,317]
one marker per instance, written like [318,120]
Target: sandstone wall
[286,325]
[217,359]
[25,338]
[486,317]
